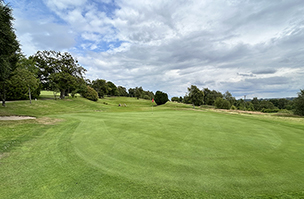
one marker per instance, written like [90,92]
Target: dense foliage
[222,103]
[9,47]
[299,104]
[59,71]
[23,85]
[90,94]
[160,97]
[196,96]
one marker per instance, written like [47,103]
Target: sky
[247,47]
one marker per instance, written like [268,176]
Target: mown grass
[102,150]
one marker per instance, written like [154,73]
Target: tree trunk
[3,95]
[3,102]
[62,92]
[67,92]
[30,95]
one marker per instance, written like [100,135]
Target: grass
[82,149]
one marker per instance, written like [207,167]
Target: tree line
[198,97]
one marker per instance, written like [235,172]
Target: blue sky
[248,47]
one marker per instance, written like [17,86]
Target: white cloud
[242,46]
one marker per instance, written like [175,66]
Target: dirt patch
[240,112]
[17,118]
[43,120]
[48,121]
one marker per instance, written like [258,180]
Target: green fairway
[81,149]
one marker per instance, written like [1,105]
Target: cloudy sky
[248,47]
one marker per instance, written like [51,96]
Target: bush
[147,97]
[221,103]
[265,110]
[285,111]
[175,99]
[233,107]
[160,98]
[90,94]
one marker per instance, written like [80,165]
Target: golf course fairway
[167,153]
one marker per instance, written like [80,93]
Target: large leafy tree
[100,86]
[59,71]
[138,92]
[228,96]
[196,96]
[122,91]
[23,85]
[131,92]
[210,96]
[9,47]
[112,89]
[256,103]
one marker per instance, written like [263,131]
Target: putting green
[193,151]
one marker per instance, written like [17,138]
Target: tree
[160,98]
[265,104]
[100,86]
[282,103]
[210,96]
[175,99]
[59,71]
[138,92]
[196,96]
[256,103]
[112,89]
[122,91]
[148,95]
[23,84]
[8,48]
[90,94]
[228,96]
[221,103]
[299,103]
[131,92]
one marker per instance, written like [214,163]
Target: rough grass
[101,150]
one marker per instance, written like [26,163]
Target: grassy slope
[102,150]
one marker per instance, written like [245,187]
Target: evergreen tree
[9,47]
[160,98]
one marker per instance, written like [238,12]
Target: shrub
[221,103]
[90,94]
[160,98]
[175,99]
[233,107]
[147,97]
[267,110]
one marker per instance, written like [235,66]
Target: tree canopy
[160,97]
[59,71]
[196,96]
